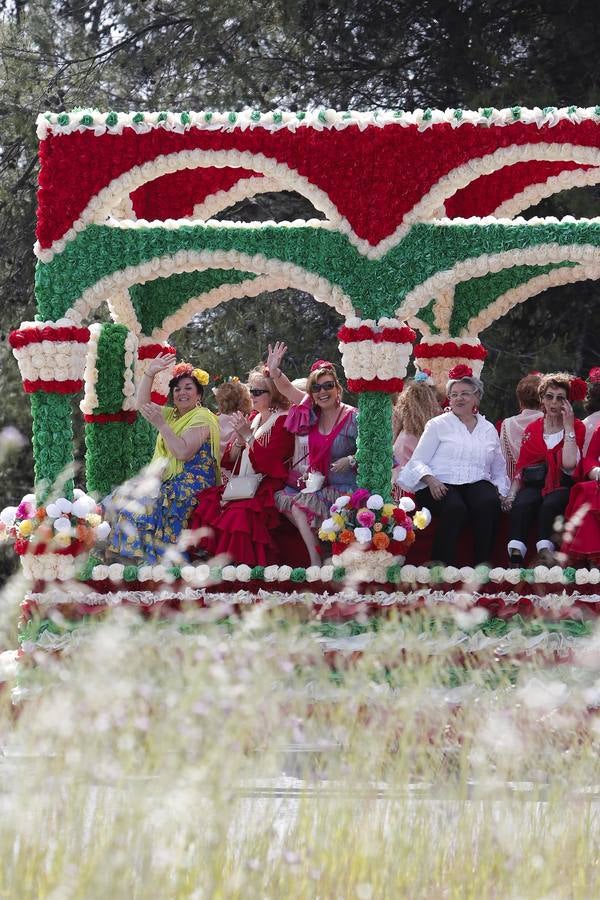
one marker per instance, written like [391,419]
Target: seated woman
[149,512]
[592,406]
[243,529]
[513,428]
[581,539]
[232,396]
[331,428]
[458,471]
[547,467]
[415,406]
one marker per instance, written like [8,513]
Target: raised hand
[152,412]
[568,415]
[160,363]
[275,355]
[241,426]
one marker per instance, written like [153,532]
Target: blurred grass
[231,761]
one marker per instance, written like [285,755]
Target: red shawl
[592,457]
[534,450]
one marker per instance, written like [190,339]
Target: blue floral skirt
[147,516]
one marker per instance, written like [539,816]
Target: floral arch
[418,230]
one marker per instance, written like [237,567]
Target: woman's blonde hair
[233,396]
[558,379]
[318,373]
[416,405]
[277,398]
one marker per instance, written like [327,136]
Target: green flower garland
[374,454]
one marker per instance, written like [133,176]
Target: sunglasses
[325,386]
[258,392]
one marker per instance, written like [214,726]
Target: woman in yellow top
[148,513]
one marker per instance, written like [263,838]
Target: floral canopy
[420,231]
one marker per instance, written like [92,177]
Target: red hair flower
[321,364]
[460,371]
[577,389]
[594,376]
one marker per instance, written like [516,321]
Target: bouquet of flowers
[366,520]
[63,526]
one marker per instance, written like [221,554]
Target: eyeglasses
[554,397]
[324,386]
[258,392]
[462,396]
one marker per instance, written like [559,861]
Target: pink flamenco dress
[244,530]
[323,450]
[582,531]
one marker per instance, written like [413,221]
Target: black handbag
[534,476]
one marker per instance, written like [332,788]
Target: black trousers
[477,504]
[528,504]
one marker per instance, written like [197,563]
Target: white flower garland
[318,119]
[90,375]
[129,360]
[476,267]
[195,260]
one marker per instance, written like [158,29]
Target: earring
[475,410]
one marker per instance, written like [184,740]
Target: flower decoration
[321,364]
[186,368]
[460,371]
[62,526]
[365,519]
[423,376]
[594,376]
[577,389]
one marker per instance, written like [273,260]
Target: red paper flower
[460,371]
[577,389]
[594,376]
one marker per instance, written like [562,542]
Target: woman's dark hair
[175,381]
[592,401]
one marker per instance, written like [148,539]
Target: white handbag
[245,484]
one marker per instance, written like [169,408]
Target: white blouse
[455,455]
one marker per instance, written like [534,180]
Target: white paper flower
[496,575]
[512,576]
[375,501]
[83,506]
[243,572]
[540,574]
[62,525]
[52,511]
[423,575]
[99,573]
[326,573]
[313,573]
[399,533]
[555,575]
[342,501]
[330,525]
[144,573]
[115,572]
[407,504]
[64,505]
[582,576]
[228,573]
[284,573]
[102,531]
[270,573]
[188,574]
[451,575]
[363,535]
[594,576]
[409,573]
[7,516]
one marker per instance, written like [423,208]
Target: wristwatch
[570,434]
[352,461]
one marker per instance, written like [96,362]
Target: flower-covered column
[440,353]
[51,358]
[109,406]
[375,357]
[144,433]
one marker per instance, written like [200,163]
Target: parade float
[420,235]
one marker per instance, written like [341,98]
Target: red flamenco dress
[244,530]
[582,533]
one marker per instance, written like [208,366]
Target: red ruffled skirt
[582,517]
[243,530]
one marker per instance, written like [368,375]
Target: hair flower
[577,389]
[201,376]
[594,376]
[460,371]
